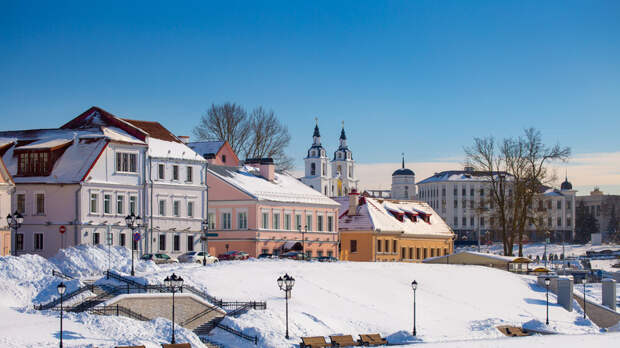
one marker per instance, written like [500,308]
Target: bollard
[609,293]
[565,293]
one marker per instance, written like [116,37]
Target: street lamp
[584,295]
[205,230]
[547,282]
[61,290]
[133,222]
[286,284]
[15,221]
[174,283]
[414,286]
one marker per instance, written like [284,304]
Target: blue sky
[420,77]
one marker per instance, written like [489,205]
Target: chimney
[353,202]
[267,168]
[184,138]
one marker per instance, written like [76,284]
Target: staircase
[102,294]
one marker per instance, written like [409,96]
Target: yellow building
[6,189]
[374,229]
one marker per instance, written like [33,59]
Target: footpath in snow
[454,303]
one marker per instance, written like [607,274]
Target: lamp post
[15,221]
[205,230]
[414,286]
[133,222]
[61,290]
[585,280]
[547,282]
[174,283]
[286,284]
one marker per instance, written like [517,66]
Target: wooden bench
[372,340]
[513,331]
[176,345]
[313,342]
[343,341]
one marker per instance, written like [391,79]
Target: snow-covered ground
[455,303]
[533,249]
[594,292]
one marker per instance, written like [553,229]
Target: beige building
[374,229]
[6,189]
[601,207]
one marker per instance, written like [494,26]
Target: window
[464,191]
[226,221]
[353,246]
[276,221]
[175,172]
[19,241]
[432,252]
[126,162]
[33,164]
[549,222]
[223,158]
[330,253]
[456,191]
[21,203]
[96,238]
[548,204]
[242,220]
[443,192]
[107,204]
[190,209]
[265,220]
[471,221]
[120,200]
[319,253]
[403,253]
[211,219]
[394,248]
[411,253]
[568,205]
[122,239]
[456,221]
[324,172]
[559,205]
[161,170]
[330,223]
[598,210]
[309,222]
[190,174]
[93,202]
[378,245]
[176,242]
[417,253]
[38,241]
[162,208]
[190,243]
[559,221]
[162,242]
[464,221]
[133,200]
[312,169]
[387,246]
[568,222]
[287,222]
[298,221]
[319,223]
[40,203]
[176,208]
[425,253]
[471,192]
[456,204]
[481,192]
[471,204]
[482,221]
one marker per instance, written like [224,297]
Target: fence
[253,339]
[66,297]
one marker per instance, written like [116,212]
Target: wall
[5,209]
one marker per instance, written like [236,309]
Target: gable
[96,117]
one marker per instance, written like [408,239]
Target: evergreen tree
[612,226]
[585,224]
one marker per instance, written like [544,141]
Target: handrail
[67,297]
[119,277]
[56,273]
[253,339]
[197,316]
[238,311]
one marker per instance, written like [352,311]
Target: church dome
[566,185]
[403,171]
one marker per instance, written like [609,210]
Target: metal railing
[115,310]
[198,316]
[253,339]
[67,297]
[58,274]
[128,281]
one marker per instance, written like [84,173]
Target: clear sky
[420,77]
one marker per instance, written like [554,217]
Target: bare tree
[516,170]
[227,121]
[268,138]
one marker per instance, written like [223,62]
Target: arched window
[312,169]
[324,169]
[325,189]
[340,169]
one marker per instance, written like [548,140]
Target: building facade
[92,172]
[255,209]
[332,178]
[6,190]
[462,198]
[377,230]
[606,210]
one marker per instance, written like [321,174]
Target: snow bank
[23,278]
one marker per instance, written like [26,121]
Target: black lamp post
[585,280]
[286,284]
[205,245]
[133,222]
[414,286]
[547,282]
[174,283]
[15,221]
[61,290]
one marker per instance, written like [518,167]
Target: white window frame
[189,174]
[190,208]
[94,198]
[36,203]
[175,172]
[37,235]
[120,199]
[133,204]
[161,171]
[128,155]
[161,207]
[109,207]
[264,220]
[176,208]
[226,220]
[242,220]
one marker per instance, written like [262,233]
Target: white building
[403,184]
[457,195]
[92,172]
[332,178]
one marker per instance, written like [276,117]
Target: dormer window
[223,158]
[126,162]
[34,163]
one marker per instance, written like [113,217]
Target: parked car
[159,258]
[266,256]
[327,259]
[293,255]
[234,255]
[198,257]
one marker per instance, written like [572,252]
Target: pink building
[218,152]
[255,209]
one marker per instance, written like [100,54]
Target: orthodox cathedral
[333,178]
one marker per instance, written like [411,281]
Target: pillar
[565,293]
[609,293]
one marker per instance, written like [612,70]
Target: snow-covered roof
[380,215]
[171,149]
[45,144]
[205,148]
[461,175]
[500,258]
[284,187]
